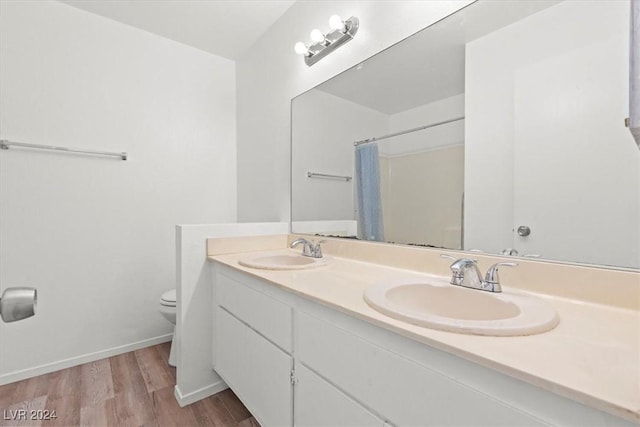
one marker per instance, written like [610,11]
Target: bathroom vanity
[501,132]
[302,347]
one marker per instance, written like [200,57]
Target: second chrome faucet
[465,272]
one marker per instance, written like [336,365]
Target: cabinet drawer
[402,391]
[255,369]
[270,317]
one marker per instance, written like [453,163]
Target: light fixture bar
[332,41]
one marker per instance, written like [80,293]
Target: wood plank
[249,422]
[31,388]
[154,369]
[164,350]
[167,410]
[95,415]
[237,410]
[126,375]
[66,409]
[212,412]
[7,393]
[64,383]
[129,409]
[19,414]
[97,384]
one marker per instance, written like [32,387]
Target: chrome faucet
[465,272]
[310,249]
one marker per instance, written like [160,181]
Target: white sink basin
[457,309]
[282,262]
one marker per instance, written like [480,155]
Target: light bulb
[301,48]
[335,22]
[317,36]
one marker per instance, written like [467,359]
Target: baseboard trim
[194,396]
[79,360]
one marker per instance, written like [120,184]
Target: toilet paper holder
[18,303]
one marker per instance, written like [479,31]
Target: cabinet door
[255,369]
[318,403]
[401,390]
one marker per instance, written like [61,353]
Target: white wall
[270,75]
[325,128]
[549,95]
[96,235]
[194,328]
[437,137]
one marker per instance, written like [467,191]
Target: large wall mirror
[498,129]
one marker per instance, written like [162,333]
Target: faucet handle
[317,249]
[492,272]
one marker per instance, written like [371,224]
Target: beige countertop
[592,356]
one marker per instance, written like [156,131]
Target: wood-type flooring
[132,389]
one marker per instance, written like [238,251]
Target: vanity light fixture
[323,44]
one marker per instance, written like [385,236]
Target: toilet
[168,310]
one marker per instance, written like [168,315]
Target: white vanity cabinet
[293,361]
[252,344]
[252,352]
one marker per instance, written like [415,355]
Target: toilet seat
[168,298]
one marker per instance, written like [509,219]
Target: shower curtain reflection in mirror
[368,192]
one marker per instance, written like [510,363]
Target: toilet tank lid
[169,296]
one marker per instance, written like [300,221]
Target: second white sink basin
[457,309]
[282,262]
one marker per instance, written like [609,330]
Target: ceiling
[223,27]
[430,65]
